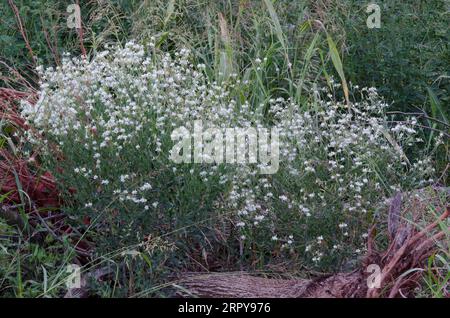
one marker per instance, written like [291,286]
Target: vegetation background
[407,60]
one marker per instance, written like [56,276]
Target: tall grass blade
[169,12]
[337,62]
[436,107]
[436,112]
[276,22]
[226,54]
[395,145]
[308,55]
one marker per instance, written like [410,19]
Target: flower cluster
[112,119]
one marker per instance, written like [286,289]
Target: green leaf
[436,108]
[276,22]
[169,11]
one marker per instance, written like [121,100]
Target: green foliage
[269,50]
[402,58]
[29,268]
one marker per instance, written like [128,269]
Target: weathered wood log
[242,285]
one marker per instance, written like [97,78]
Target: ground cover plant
[88,141]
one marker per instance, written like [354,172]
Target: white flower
[146,186]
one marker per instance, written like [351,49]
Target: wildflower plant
[111,119]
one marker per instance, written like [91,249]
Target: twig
[419,114]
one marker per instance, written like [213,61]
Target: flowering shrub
[111,118]
[336,168]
